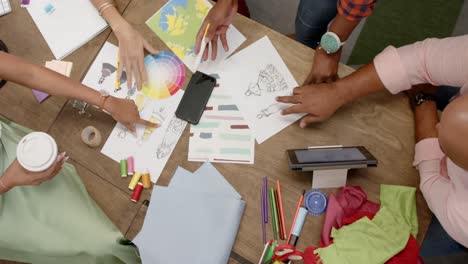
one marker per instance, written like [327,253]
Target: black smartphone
[196,97]
[330,158]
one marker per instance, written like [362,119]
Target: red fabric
[350,200]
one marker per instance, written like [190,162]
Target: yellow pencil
[198,58]
[206,30]
[117,79]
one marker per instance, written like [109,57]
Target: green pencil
[273,225]
[274,214]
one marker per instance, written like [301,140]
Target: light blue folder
[194,220]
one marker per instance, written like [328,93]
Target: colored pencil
[272,208]
[301,199]
[262,206]
[199,57]
[265,199]
[117,80]
[275,211]
[281,210]
[278,218]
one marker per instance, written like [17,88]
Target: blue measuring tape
[316,202]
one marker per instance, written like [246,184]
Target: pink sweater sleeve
[445,195]
[434,61]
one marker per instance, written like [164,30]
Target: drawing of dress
[269,80]
[106,71]
[174,130]
[271,109]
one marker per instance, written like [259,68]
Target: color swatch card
[200,214]
[255,76]
[66,25]
[62,67]
[177,24]
[223,135]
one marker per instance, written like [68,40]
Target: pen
[202,49]
[117,79]
[301,199]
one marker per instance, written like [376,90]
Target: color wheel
[166,74]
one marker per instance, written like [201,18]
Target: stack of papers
[66,25]
[193,220]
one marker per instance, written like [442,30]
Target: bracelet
[3,185]
[103,7]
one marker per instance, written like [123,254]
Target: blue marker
[301,217]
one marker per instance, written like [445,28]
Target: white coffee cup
[37,151]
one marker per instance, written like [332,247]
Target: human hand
[219,18]
[324,67]
[131,54]
[16,175]
[125,111]
[320,101]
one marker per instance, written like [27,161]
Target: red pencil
[282,236]
[301,199]
[280,201]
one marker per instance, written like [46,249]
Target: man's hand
[324,67]
[219,18]
[320,101]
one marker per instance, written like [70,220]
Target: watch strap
[102,102]
[423,97]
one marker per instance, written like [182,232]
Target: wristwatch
[104,95]
[330,42]
[423,97]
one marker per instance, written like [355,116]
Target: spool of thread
[135,179]
[137,192]
[123,168]
[146,179]
[91,136]
[316,202]
[130,166]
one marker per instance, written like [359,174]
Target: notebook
[5,7]
[66,25]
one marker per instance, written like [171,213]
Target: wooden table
[382,123]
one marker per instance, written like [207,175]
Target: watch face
[330,42]
[104,93]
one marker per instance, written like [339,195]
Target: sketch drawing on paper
[174,130]
[107,70]
[157,117]
[269,80]
[271,109]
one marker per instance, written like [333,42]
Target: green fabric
[379,239]
[402,22]
[55,222]
[401,200]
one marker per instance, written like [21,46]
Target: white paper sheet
[192,221]
[222,135]
[71,24]
[154,152]
[255,76]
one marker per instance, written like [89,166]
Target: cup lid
[36,151]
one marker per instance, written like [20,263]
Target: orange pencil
[280,201]
[301,199]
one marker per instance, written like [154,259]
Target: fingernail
[302,125]
[66,158]
[207,39]
[276,98]
[134,134]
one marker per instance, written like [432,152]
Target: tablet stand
[333,178]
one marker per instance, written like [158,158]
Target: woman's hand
[16,175]
[219,18]
[125,111]
[131,53]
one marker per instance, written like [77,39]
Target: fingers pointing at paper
[215,25]
[125,112]
[320,101]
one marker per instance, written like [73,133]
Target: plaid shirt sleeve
[356,9]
